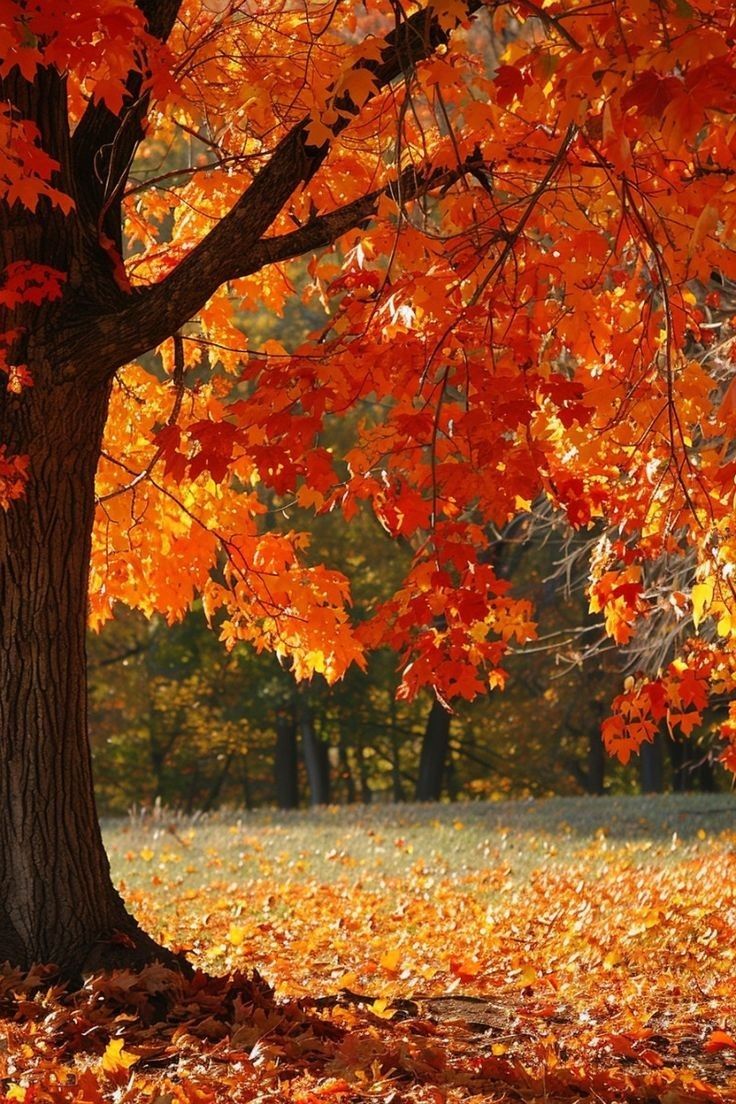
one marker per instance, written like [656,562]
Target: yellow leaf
[608,127]
[308,497]
[236,935]
[527,976]
[147,854]
[390,960]
[706,223]
[701,597]
[116,1059]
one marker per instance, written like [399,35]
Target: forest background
[177,719]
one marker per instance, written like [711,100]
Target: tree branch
[235,246]
[324,230]
[103,144]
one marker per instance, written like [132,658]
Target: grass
[390,840]
[274,886]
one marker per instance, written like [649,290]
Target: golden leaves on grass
[536,966]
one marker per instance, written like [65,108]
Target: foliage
[530,296]
[582,950]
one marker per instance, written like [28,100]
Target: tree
[509,211]
[433,758]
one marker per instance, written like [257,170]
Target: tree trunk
[366,793]
[433,757]
[706,775]
[213,796]
[346,773]
[286,761]
[651,766]
[315,758]
[397,789]
[57,901]
[596,772]
[451,781]
[680,753]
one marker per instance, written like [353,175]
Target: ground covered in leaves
[568,950]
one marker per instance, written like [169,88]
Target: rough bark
[58,902]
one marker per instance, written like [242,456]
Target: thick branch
[235,246]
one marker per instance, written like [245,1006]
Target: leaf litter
[496,953]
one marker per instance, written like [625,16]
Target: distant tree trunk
[706,775]
[216,788]
[157,757]
[651,766]
[691,767]
[366,793]
[161,746]
[397,788]
[596,773]
[246,786]
[433,756]
[680,753]
[316,759]
[286,761]
[190,804]
[346,773]
[451,781]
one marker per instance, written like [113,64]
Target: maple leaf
[719,1040]
[686,722]
[651,93]
[510,82]
[28,282]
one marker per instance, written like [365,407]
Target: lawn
[403,895]
[576,949]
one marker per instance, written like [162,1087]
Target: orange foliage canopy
[518,220]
